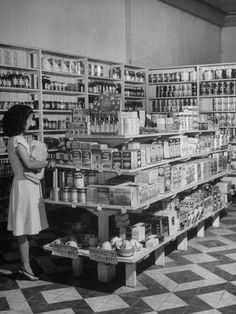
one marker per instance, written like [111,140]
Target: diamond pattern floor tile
[201,280]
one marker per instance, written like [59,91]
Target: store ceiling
[219,12]
[228,7]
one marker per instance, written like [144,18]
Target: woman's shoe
[28,275]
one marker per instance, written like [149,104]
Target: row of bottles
[178,76]
[224,104]
[103,87]
[133,76]
[134,91]
[15,79]
[63,105]
[131,105]
[217,73]
[3,145]
[225,119]
[178,90]
[5,105]
[5,167]
[173,105]
[104,124]
[62,65]
[54,124]
[55,85]
[218,88]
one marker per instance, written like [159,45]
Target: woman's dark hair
[14,120]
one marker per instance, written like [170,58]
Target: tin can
[69,179]
[78,180]
[65,194]
[74,195]
[82,195]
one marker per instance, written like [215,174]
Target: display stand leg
[77,266]
[103,226]
[182,242]
[201,229]
[160,256]
[216,220]
[130,275]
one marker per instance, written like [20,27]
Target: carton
[106,158]
[147,176]
[131,159]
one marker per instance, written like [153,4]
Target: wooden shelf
[173,83]
[64,74]
[217,96]
[18,68]
[173,97]
[19,90]
[148,166]
[66,93]
[121,208]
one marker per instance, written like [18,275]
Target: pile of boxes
[172,215]
[134,154]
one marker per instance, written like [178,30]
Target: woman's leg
[23,244]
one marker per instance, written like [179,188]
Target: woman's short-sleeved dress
[27,215]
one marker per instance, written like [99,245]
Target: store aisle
[200,280]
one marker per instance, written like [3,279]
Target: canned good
[65,194]
[69,179]
[78,180]
[74,195]
[82,195]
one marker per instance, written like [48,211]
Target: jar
[82,195]
[65,194]
[74,195]
[78,180]
[92,177]
[69,179]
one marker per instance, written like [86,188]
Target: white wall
[160,34]
[93,28]
[229,44]
[165,36]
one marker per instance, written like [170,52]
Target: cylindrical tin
[74,195]
[66,194]
[69,179]
[82,195]
[78,180]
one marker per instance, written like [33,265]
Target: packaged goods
[116,160]
[91,194]
[106,158]
[103,195]
[87,159]
[124,195]
[153,190]
[164,178]
[77,158]
[147,176]
[176,177]
[131,159]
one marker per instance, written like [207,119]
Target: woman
[27,214]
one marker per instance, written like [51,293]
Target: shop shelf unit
[104,211]
[103,77]
[217,106]
[173,92]
[134,88]
[19,84]
[63,90]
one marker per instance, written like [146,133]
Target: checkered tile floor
[200,280]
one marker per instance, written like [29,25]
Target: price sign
[103,256]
